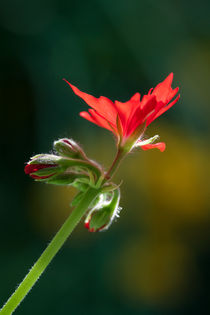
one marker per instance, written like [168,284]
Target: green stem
[49,253]
[118,158]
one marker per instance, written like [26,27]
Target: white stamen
[140,143]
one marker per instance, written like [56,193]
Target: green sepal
[98,200]
[100,219]
[80,186]
[111,187]
[119,128]
[45,159]
[105,211]
[129,143]
[69,148]
[77,199]
[49,170]
[63,179]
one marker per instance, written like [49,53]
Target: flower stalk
[118,158]
[52,249]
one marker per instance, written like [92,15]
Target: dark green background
[155,260]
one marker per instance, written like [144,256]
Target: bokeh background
[156,258]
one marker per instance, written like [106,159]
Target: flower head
[129,120]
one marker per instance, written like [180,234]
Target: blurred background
[155,259]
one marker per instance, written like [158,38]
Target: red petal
[160,146]
[164,94]
[95,118]
[163,110]
[141,114]
[102,105]
[126,109]
[163,89]
[135,97]
[87,116]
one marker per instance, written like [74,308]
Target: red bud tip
[87,225]
[66,141]
[32,168]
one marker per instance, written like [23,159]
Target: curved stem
[118,158]
[49,252]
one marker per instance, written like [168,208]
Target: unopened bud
[43,166]
[103,214]
[69,148]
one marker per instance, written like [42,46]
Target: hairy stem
[118,158]
[49,253]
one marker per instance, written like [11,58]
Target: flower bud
[103,214]
[43,166]
[69,148]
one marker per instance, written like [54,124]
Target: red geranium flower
[128,120]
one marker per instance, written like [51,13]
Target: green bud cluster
[68,166]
